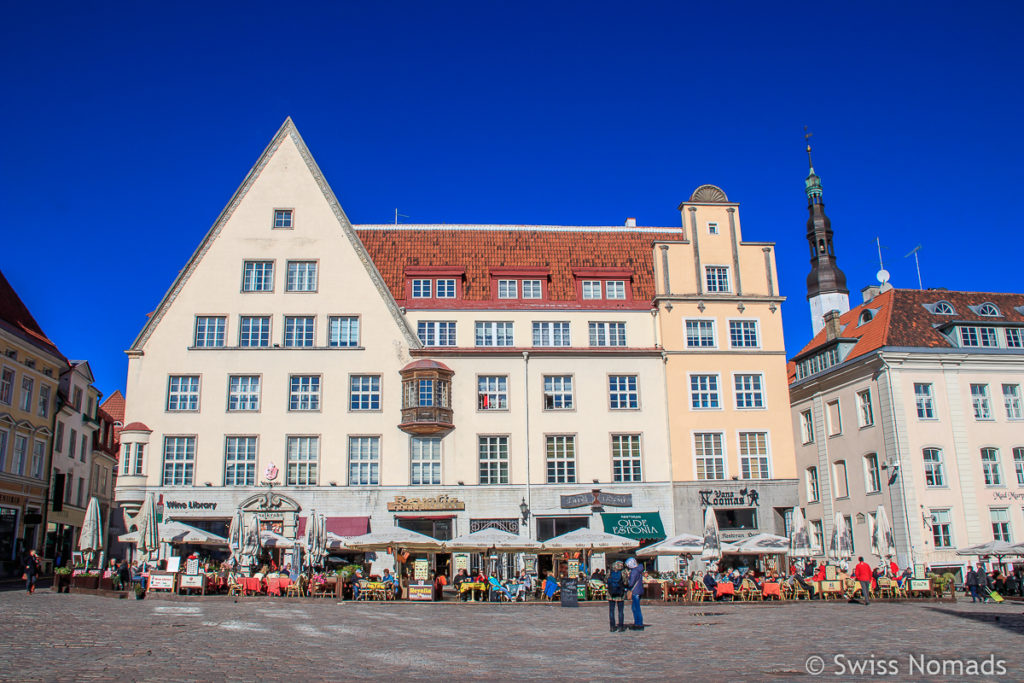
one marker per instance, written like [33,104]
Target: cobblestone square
[84,637]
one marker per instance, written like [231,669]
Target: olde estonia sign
[441,502]
[741,498]
[597,498]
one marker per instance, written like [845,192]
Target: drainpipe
[901,474]
[526,391]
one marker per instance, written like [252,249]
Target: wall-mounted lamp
[596,481]
[462,483]
[206,483]
[524,510]
[334,483]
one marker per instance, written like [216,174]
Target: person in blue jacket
[635,591]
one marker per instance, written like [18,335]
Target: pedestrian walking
[972,583]
[984,583]
[30,571]
[862,572]
[616,597]
[635,591]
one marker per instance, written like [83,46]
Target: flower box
[85,582]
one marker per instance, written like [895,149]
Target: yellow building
[30,368]
[720,325]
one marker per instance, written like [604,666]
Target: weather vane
[807,137]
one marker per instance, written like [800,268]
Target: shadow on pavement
[997,615]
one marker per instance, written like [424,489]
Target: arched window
[943,308]
[988,309]
[866,316]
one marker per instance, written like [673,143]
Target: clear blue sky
[129,125]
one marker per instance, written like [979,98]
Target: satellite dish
[883,276]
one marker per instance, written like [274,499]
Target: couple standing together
[623,585]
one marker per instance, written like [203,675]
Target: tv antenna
[917,262]
[397,215]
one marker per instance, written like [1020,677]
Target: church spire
[826,284]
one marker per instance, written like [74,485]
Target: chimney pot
[870,292]
[630,222]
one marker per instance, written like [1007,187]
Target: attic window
[943,308]
[866,316]
[988,309]
[283,218]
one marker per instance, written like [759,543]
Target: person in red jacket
[862,572]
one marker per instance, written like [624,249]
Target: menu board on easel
[573,567]
[421,569]
[461,561]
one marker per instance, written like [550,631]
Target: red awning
[343,526]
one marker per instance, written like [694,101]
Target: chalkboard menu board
[569,596]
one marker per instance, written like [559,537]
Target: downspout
[899,451]
[526,391]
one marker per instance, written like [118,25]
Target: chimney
[630,222]
[870,292]
[832,326]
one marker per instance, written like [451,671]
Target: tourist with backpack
[634,591]
[616,596]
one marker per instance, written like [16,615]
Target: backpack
[616,586]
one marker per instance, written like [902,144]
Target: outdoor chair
[364,592]
[797,592]
[748,590]
[699,592]
[598,590]
[297,589]
[234,587]
[496,587]
[886,588]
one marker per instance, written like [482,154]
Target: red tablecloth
[276,585]
[251,585]
[770,589]
[725,588]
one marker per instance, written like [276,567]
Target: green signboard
[640,526]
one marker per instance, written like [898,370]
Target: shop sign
[421,570]
[509,525]
[635,525]
[720,498]
[1008,495]
[421,592]
[598,498]
[737,535]
[189,505]
[191,581]
[10,499]
[441,502]
[161,582]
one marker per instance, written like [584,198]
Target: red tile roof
[136,427]
[901,319]
[114,405]
[480,249]
[16,317]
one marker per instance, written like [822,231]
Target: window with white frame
[532,289]
[422,289]
[258,276]
[591,289]
[304,392]
[126,459]
[254,331]
[38,454]
[980,402]
[6,386]
[811,480]
[978,336]
[924,400]
[425,393]
[942,529]
[865,413]
[558,392]
[615,289]
[425,456]
[561,459]
[436,332]
[709,455]
[626,458]
[44,401]
[364,392]
[302,457]
[550,333]
[210,331]
[872,473]
[934,474]
[807,426]
[1001,524]
[1014,337]
[1011,400]
[240,461]
[842,484]
[704,392]
[20,455]
[299,331]
[748,390]
[743,334]
[283,218]
[183,392]
[492,392]
[990,467]
[301,276]
[1018,464]
[817,534]
[607,334]
[712,228]
[508,289]
[140,458]
[716,278]
[700,334]
[179,460]
[988,309]
[493,333]
[364,460]
[446,288]
[493,452]
[343,331]
[28,386]
[835,418]
[243,393]
[623,393]
[754,455]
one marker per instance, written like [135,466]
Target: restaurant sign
[421,592]
[189,505]
[440,502]
[718,498]
[598,498]
[639,526]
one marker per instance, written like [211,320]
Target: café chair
[234,586]
[297,588]
[748,590]
[699,592]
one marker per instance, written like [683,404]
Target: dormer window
[615,289]
[446,288]
[866,316]
[978,336]
[988,309]
[422,289]
[943,308]
[532,289]
[591,289]
[435,282]
[508,289]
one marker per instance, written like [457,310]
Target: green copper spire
[813,183]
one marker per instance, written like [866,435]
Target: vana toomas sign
[635,525]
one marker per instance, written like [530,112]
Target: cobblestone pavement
[85,637]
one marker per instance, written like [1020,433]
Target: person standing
[616,597]
[635,591]
[862,573]
[30,571]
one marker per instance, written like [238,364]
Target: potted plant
[83,579]
[140,592]
[62,579]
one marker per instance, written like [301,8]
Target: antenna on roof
[397,215]
[917,262]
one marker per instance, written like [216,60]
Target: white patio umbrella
[841,547]
[316,538]
[992,548]
[173,531]
[761,544]
[712,549]
[90,541]
[800,542]
[251,541]
[148,541]
[275,541]
[589,539]
[394,536]
[683,544]
[491,538]
[883,542]
[336,542]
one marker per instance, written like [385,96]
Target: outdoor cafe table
[725,588]
[376,590]
[770,589]
[277,584]
[468,586]
[251,585]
